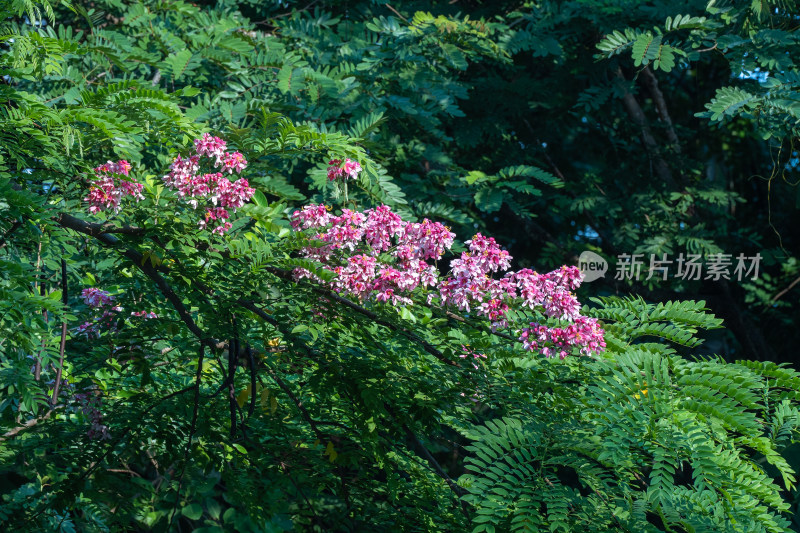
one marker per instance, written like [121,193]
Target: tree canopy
[311,266]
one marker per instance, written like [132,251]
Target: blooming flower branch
[375,254]
[212,191]
[108,188]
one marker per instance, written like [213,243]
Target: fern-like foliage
[657,442]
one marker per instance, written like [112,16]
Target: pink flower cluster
[217,193]
[107,320]
[375,254]
[144,314]
[584,333]
[99,299]
[469,352]
[353,242]
[90,405]
[347,170]
[471,286]
[96,297]
[549,293]
[108,188]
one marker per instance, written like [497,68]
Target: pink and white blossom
[377,255]
[108,188]
[96,297]
[214,192]
[348,169]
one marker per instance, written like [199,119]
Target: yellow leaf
[274,342]
[242,397]
[330,452]
[273,404]
[264,398]
[152,257]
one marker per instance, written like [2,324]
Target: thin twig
[37,373]
[233,354]
[192,428]
[250,357]
[393,10]
[787,289]
[64,300]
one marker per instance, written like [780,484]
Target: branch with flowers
[386,339]
[374,255]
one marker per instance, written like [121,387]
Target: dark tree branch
[29,424]
[81,226]
[651,82]
[428,347]
[14,227]
[65,300]
[250,358]
[636,114]
[233,354]
[192,428]
[252,307]
[303,411]
[95,228]
[433,462]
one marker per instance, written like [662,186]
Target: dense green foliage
[255,403]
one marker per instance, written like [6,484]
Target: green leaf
[475,176]
[645,48]
[489,199]
[259,199]
[406,314]
[192,511]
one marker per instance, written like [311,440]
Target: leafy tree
[163,367]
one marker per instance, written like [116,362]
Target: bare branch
[651,82]
[637,115]
[95,228]
[393,10]
[787,289]
[29,424]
